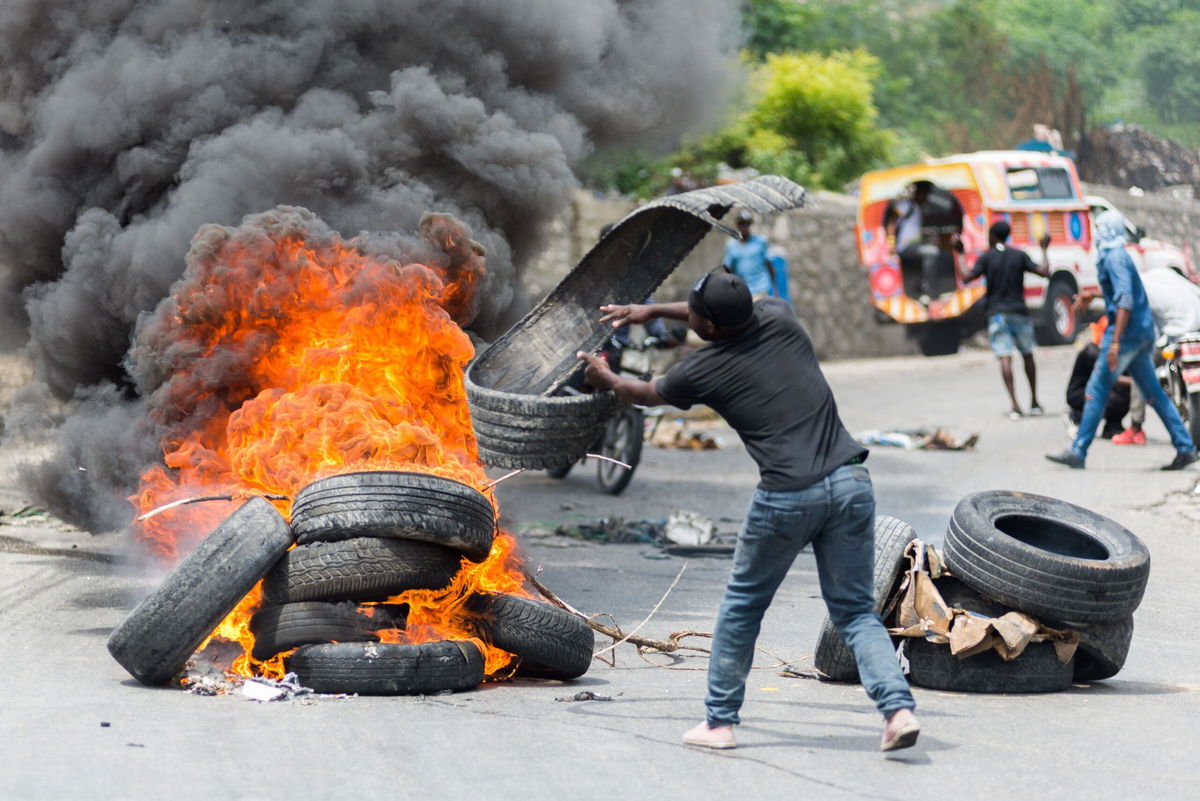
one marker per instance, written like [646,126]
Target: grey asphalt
[73,724]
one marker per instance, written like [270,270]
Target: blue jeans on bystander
[1134,357]
[836,515]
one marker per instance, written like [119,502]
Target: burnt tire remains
[281,628]
[1054,560]
[395,504]
[388,668]
[156,639]
[833,658]
[550,642]
[359,569]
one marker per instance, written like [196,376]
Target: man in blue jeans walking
[760,373]
[1125,348]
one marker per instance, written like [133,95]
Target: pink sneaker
[901,731]
[717,737]
[1130,437]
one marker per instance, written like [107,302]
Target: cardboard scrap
[682,435]
[924,613]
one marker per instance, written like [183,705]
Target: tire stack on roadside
[360,539]
[1065,566]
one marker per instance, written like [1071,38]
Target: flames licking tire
[414,506]
[371,668]
[156,639]
[358,569]
[287,626]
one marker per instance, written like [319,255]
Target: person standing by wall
[1009,326]
[761,374]
[1125,348]
[747,258]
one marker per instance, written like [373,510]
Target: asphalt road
[73,724]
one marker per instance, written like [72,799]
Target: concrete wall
[828,287]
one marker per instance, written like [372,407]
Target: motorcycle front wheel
[623,442]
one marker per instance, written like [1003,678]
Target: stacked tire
[1065,566]
[360,539]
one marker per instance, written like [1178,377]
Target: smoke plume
[127,125]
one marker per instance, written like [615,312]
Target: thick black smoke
[125,126]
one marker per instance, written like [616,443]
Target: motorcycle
[1179,374]
[621,439]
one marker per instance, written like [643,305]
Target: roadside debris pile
[384,583]
[1031,594]
[684,533]
[938,439]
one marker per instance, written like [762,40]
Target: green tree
[1169,65]
[811,117]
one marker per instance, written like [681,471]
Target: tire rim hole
[1052,536]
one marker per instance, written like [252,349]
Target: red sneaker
[1130,437]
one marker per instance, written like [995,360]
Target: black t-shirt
[1004,270]
[767,385]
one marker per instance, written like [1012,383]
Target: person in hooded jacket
[1125,348]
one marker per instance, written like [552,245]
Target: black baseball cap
[722,298]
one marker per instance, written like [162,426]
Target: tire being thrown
[536,431]
[156,639]
[388,668]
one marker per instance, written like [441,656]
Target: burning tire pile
[361,542]
[1074,577]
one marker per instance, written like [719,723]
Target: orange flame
[292,355]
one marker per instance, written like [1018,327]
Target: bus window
[1040,183]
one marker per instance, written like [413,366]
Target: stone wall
[828,287]
[1165,217]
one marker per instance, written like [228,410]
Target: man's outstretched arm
[631,390]
[642,313]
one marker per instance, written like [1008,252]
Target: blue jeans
[837,515]
[1135,358]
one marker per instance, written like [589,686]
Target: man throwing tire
[760,373]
